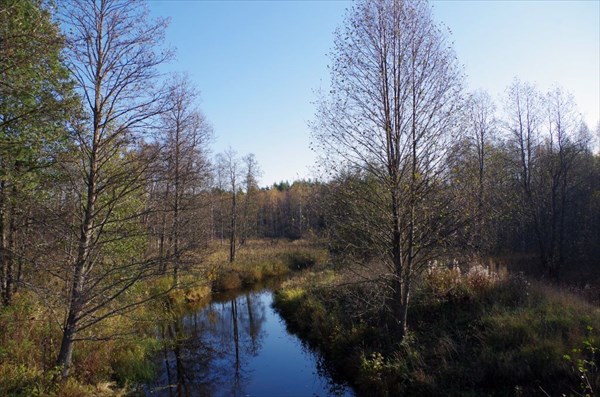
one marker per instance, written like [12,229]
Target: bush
[227,280]
[299,260]
[133,364]
[584,362]
[480,278]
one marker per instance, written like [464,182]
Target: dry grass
[259,260]
[473,333]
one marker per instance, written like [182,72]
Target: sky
[258,64]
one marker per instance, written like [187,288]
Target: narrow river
[239,346]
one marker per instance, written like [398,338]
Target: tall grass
[473,333]
[259,260]
[29,343]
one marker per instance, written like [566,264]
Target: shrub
[480,278]
[197,294]
[584,364]
[299,260]
[133,364]
[227,280]
[478,334]
[21,380]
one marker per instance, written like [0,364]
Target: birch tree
[389,118]
[185,137]
[230,169]
[113,54]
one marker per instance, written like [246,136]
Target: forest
[450,245]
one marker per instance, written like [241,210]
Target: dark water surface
[239,346]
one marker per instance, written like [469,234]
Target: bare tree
[395,94]
[562,147]
[113,53]
[229,165]
[523,119]
[522,108]
[543,133]
[481,125]
[252,173]
[186,135]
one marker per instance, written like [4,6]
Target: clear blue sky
[258,63]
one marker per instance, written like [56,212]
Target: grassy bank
[262,259]
[118,352]
[114,355]
[472,334]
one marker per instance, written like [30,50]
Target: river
[238,345]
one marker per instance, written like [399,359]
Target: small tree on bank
[388,120]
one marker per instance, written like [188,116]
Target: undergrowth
[472,333]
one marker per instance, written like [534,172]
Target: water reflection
[238,346]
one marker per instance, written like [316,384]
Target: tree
[249,210]
[113,54]
[481,127]
[471,157]
[230,170]
[35,95]
[185,157]
[560,151]
[543,133]
[522,121]
[389,118]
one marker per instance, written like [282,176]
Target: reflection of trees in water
[207,351]
[333,382]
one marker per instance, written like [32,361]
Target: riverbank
[111,365]
[259,260]
[472,333]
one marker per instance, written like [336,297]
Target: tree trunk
[232,237]
[65,356]
[80,267]
[7,227]
[399,285]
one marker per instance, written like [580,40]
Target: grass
[262,259]
[29,342]
[112,366]
[118,353]
[472,334]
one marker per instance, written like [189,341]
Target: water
[239,346]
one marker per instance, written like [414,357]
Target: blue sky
[258,63]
